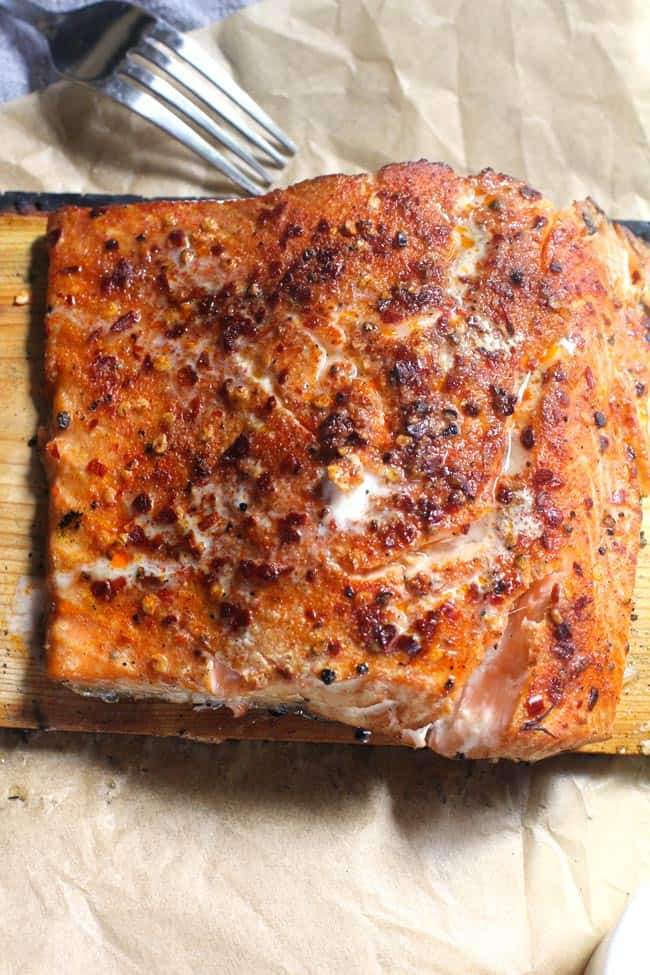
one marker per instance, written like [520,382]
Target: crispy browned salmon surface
[372,446]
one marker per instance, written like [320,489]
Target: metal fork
[143,63]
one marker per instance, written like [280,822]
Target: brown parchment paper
[162,856]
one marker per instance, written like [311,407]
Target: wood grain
[27,698]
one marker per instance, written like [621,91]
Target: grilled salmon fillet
[372,447]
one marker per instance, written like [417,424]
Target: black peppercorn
[63,420]
[327,676]
[362,734]
[600,419]
[362,669]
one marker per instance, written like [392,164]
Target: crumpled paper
[152,856]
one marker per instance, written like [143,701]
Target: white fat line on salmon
[490,696]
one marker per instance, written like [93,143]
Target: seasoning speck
[362,669]
[160,444]
[63,420]
[600,419]
[362,734]
[327,676]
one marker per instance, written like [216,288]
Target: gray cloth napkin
[23,55]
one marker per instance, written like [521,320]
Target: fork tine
[209,68]
[179,71]
[178,101]
[155,111]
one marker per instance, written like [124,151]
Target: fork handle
[30,12]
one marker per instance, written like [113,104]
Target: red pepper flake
[535,705]
[238,450]
[289,528]
[503,403]
[562,631]
[261,571]
[590,378]
[504,494]
[564,650]
[118,279]
[177,238]
[577,568]
[290,231]
[142,503]
[167,516]
[408,644]
[580,605]
[264,483]
[543,477]
[125,322]
[552,516]
[471,409]
[176,331]
[187,376]
[96,467]
[200,469]
[588,503]
[527,438]
[237,617]
[107,589]
[529,193]
[428,624]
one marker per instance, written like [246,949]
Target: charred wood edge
[29,203]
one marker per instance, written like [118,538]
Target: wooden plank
[27,698]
